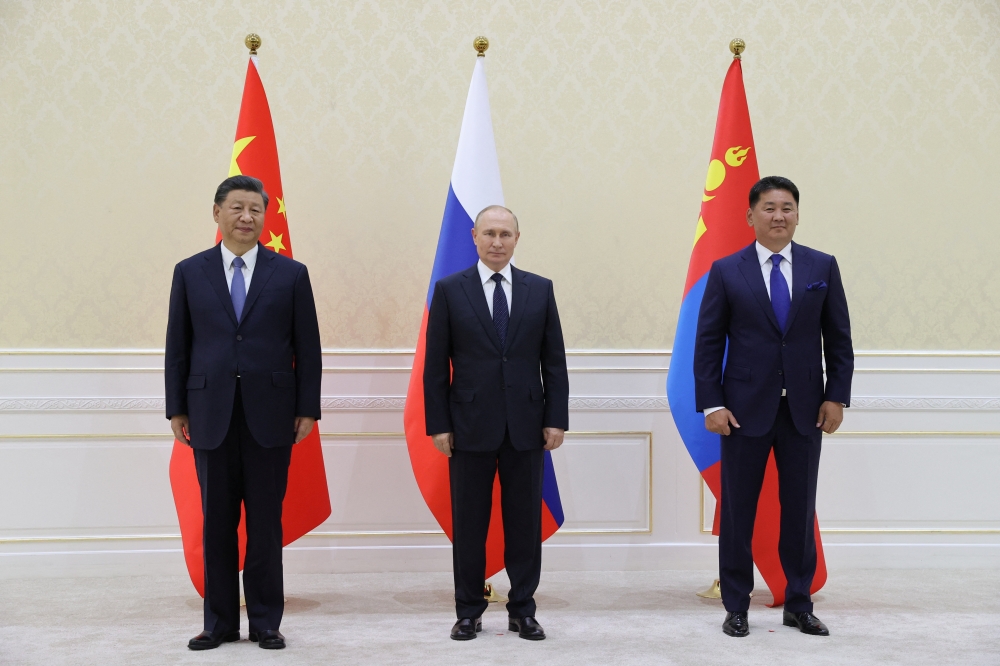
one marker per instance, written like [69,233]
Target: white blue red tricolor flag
[722,230]
[475,184]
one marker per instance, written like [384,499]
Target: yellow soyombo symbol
[716,174]
[734,157]
[234,168]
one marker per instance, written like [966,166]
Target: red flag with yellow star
[307,500]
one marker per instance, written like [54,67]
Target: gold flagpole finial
[481,44]
[737,46]
[252,42]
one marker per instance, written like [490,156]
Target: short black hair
[245,183]
[768,183]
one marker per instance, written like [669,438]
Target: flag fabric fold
[475,184]
[307,499]
[722,230]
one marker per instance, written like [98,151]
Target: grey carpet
[875,616]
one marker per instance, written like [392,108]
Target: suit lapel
[216,275]
[262,272]
[750,267]
[477,299]
[801,268]
[519,295]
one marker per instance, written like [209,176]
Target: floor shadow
[300,605]
[426,600]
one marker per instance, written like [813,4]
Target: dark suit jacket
[522,388]
[736,311]
[274,349]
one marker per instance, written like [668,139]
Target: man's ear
[215,212]
[749,218]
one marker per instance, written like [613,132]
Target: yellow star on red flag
[275,243]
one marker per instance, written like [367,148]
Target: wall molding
[397,402]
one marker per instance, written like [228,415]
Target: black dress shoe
[806,622]
[269,639]
[526,627]
[466,628]
[206,640]
[736,624]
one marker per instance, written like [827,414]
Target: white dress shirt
[249,261]
[489,286]
[764,256]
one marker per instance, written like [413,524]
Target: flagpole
[714,591]
[481,44]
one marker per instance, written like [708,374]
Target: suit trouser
[472,474]
[744,461]
[242,471]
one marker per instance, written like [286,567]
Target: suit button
[782,343]
[779,372]
[504,359]
[239,337]
[232,374]
[502,387]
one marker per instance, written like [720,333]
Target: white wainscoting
[912,479]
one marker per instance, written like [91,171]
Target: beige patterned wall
[117,120]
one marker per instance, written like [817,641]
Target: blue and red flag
[722,230]
[475,184]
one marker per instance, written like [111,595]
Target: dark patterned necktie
[781,301]
[501,315]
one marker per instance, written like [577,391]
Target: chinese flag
[307,500]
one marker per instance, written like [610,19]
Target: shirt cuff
[712,409]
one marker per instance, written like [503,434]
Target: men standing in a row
[243,370]
[770,314]
[496,393]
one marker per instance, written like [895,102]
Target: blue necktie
[501,315]
[238,289]
[781,300]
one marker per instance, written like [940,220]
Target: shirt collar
[763,254]
[249,257]
[486,273]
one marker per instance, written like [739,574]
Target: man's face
[240,218]
[774,219]
[495,238]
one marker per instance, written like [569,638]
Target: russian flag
[722,230]
[475,184]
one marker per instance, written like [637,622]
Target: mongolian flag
[475,184]
[722,230]
[307,500]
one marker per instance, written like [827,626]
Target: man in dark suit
[496,393]
[243,369]
[770,313]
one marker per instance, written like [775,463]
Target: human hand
[719,420]
[831,415]
[303,426]
[444,442]
[181,426]
[553,438]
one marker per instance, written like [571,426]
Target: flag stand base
[491,595]
[714,591]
